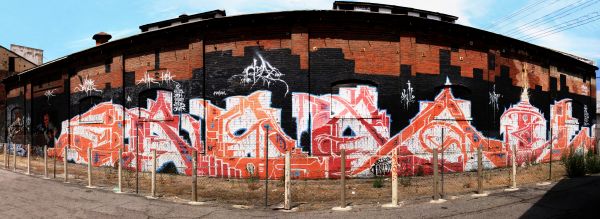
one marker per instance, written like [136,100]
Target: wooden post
[287,204]
[66,169]
[28,159]
[343,179]
[153,184]
[89,166]
[514,168]
[120,176]
[395,177]
[436,194]
[480,170]
[45,162]
[195,177]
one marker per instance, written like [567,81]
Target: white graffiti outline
[178,99]
[407,97]
[49,93]
[147,80]
[494,98]
[167,77]
[586,115]
[88,86]
[265,73]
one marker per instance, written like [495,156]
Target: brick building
[368,78]
[11,63]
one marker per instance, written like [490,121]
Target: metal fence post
[14,157]
[28,159]
[45,162]
[480,170]
[54,165]
[287,204]
[6,161]
[66,169]
[267,166]
[551,149]
[436,194]
[153,178]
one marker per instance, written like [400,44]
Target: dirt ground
[307,194]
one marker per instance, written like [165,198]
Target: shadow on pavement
[569,198]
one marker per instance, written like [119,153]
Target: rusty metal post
[45,162]
[6,161]
[436,194]
[343,179]
[287,204]
[14,157]
[28,159]
[153,184]
[395,178]
[195,177]
[479,170]
[267,166]
[54,165]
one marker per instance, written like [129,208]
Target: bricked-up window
[86,115]
[14,114]
[11,64]
[353,99]
[491,61]
[107,65]
[157,59]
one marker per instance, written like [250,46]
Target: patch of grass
[378,183]
[592,163]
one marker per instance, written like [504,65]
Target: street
[24,196]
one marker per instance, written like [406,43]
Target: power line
[564,26]
[499,27]
[500,20]
[562,12]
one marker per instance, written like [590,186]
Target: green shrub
[378,183]
[574,164]
[420,171]
[592,163]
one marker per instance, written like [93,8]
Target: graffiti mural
[237,140]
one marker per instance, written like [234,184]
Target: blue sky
[66,26]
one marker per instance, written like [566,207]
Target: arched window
[15,113]
[85,105]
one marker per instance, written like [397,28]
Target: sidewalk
[24,196]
